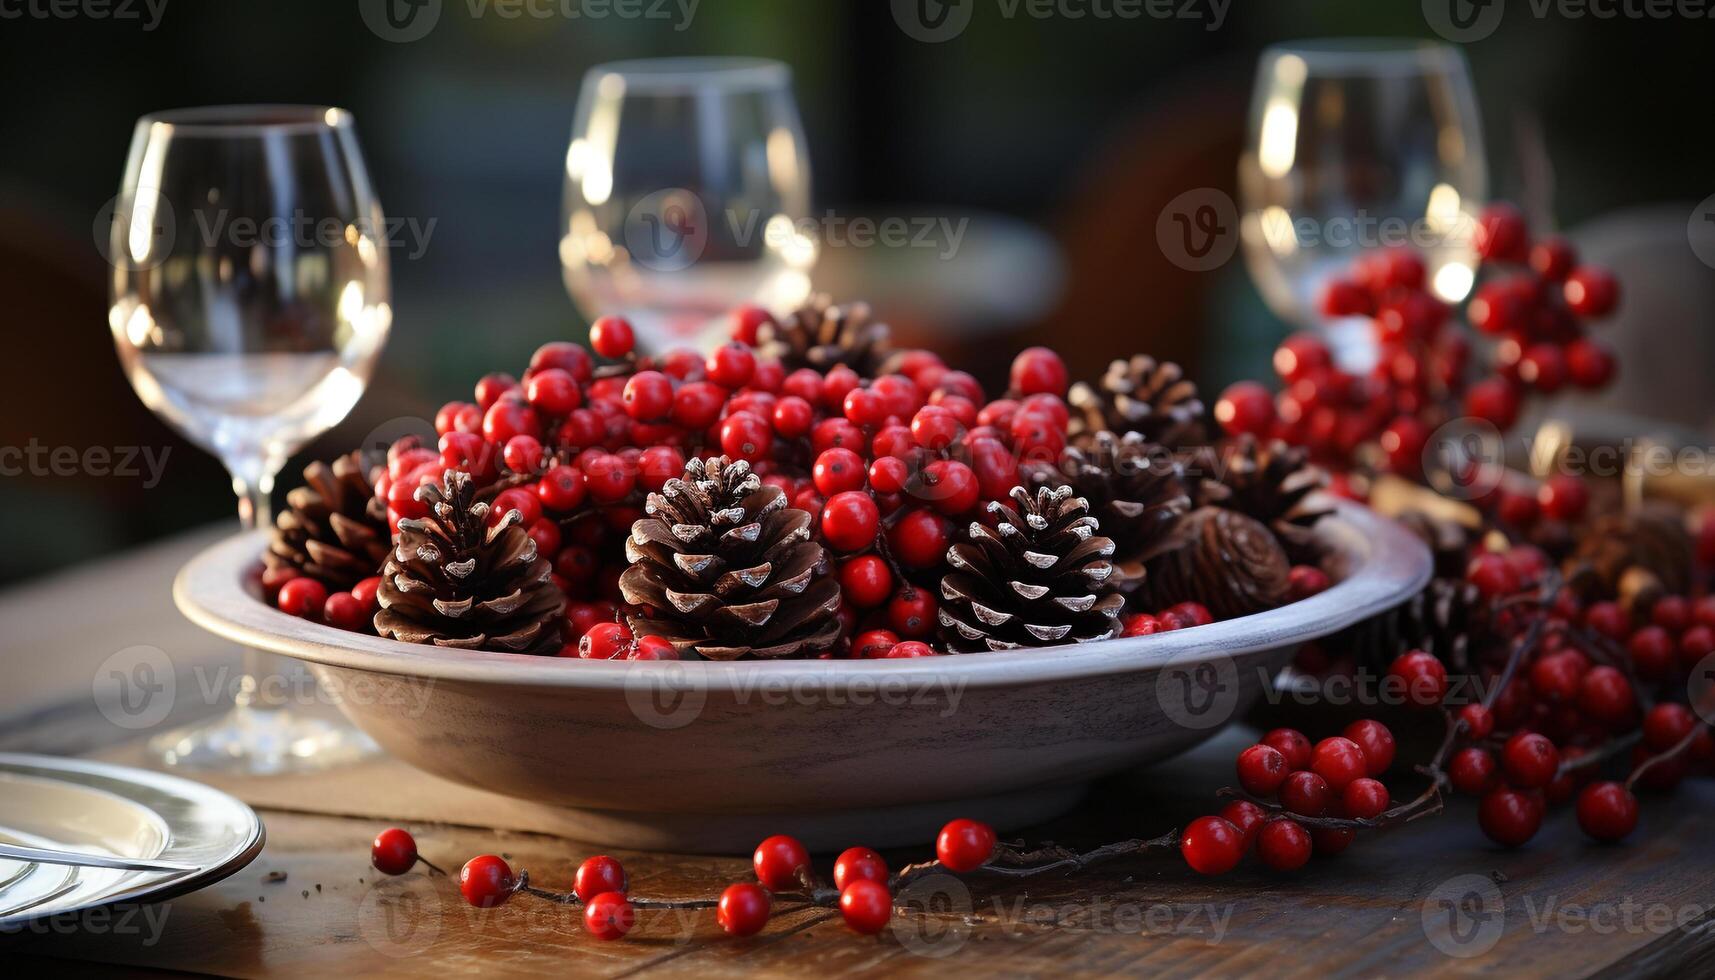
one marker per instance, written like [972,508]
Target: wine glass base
[255,742]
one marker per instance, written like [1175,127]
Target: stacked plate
[159,836]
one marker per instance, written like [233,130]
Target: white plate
[93,807]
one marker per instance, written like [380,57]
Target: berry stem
[1664,756]
[1011,862]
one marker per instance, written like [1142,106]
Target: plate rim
[1391,565]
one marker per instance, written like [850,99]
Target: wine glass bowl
[250,303]
[1358,145]
[686,194]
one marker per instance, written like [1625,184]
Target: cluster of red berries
[297,594]
[1337,777]
[862,882]
[1532,307]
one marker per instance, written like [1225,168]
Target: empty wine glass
[250,303]
[687,193]
[1357,145]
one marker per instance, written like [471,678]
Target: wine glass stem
[262,687]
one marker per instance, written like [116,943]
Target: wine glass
[1357,145]
[687,194]
[250,303]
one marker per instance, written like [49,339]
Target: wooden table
[1430,898]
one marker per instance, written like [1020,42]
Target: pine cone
[820,335]
[1231,563]
[1449,619]
[1654,539]
[1449,541]
[1136,491]
[1039,578]
[333,529]
[1143,395]
[1271,482]
[728,570]
[454,581]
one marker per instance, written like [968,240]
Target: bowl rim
[1389,565]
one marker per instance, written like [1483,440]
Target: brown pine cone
[1041,577]
[1136,491]
[727,570]
[454,581]
[1449,619]
[1653,539]
[1272,482]
[1231,563]
[333,529]
[1448,540]
[820,335]
[1142,395]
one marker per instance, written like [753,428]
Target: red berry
[568,357]
[1305,581]
[342,610]
[742,910]
[1666,725]
[1283,845]
[1563,497]
[1341,298]
[965,845]
[364,592]
[1530,760]
[1422,678]
[599,875]
[1306,794]
[1553,258]
[910,649]
[1695,644]
[778,862]
[485,881]
[859,864]
[491,387]
[874,644]
[1653,652]
[731,366]
[612,337]
[1556,677]
[1493,576]
[866,906]
[1607,811]
[850,520]
[746,436]
[523,454]
[746,321]
[527,504]
[1495,401]
[1608,619]
[303,597]
[609,916]
[561,489]
[838,470]
[1292,745]
[1592,292]
[1509,817]
[912,612]
[1472,771]
[1211,846]
[394,852]
[1589,364]
[1038,370]
[920,539]
[649,396]
[1301,355]
[1339,761]
[1261,770]
[1479,721]
[654,648]
[605,641]
[1543,367]
[1365,798]
[553,391]
[1377,743]
[1501,234]
[1606,697]
[1247,817]
[1245,408]
[865,581]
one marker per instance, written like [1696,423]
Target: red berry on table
[1304,581]
[1377,742]
[605,641]
[1472,771]
[1306,794]
[304,597]
[778,862]
[1479,721]
[598,875]
[866,906]
[1339,761]
[965,845]
[609,916]
[1421,678]
[1261,770]
[1246,408]
[1211,845]
[1247,817]
[1563,497]
[1493,575]
[394,851]
[1509,817]
[1364,799]
[1283,844]
[859,864]
[612,337]
[1592,292]
[1530,760]
[742,909]
[345,611]
[866,581]
[1606,697]
[850,520]
[746,321]
[1038,370]
[1291,744]
[1607,811]
[1502,235]
[485,881]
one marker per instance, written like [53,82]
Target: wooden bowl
[711,757]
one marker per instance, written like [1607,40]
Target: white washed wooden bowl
[710,757]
